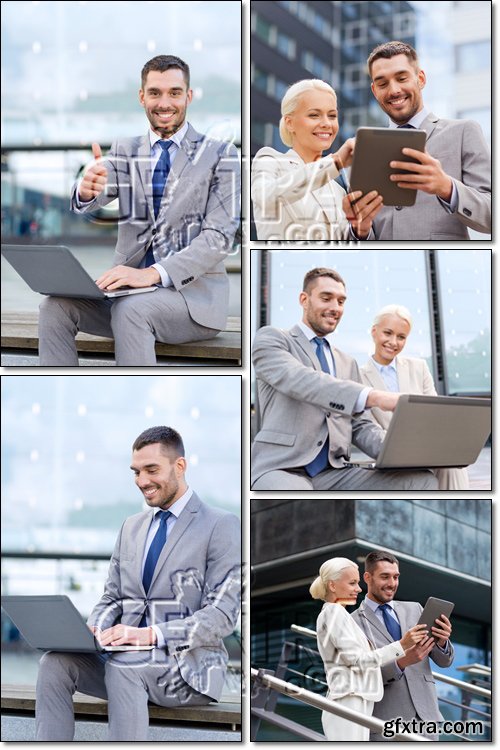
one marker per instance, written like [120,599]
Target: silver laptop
[52,623]
[54,270]
[434,432]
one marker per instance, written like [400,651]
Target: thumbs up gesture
[95,177]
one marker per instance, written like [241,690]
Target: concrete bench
[20,332]
[20,699]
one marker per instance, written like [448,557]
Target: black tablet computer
[374,150]
[433,610]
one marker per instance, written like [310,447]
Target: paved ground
[22,729]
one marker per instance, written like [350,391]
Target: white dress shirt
[389,375]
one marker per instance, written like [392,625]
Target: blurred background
[70,76]
[67,484]
[296,39]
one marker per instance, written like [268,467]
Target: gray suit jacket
[300,405]
[194,594]
[196,224]
[464,155]
[414,691]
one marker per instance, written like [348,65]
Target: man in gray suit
[311,403]
[173,582]
[409,687]
[452,177]
[177,192]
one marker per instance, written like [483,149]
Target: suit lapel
[141,543]
[306,346]
[429,124]
[403,375]
[146,172]
[181,525]
[375,622]
[374,376]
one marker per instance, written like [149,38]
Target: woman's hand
[343,157]
[413,636]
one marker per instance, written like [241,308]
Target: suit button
[327,413]
[399,208]
[467,212]
[320,442]
[153,232]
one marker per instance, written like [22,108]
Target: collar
[383,368]
[179,505]
[416,120]
[374,605]
[310,334]
[175,138]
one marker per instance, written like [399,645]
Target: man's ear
[141,96]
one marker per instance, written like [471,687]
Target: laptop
[54,270]
[52,623]
[433,432]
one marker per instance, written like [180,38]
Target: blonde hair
[290,101]
[331,570]
[399,310]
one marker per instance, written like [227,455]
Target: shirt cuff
[446,649]
[452,206]
[354,236]
[165,278]
[360,404]
[160,640]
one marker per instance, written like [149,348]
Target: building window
[316,66]
[473,56]
[404,25]
[355,32]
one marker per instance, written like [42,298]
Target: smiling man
[312,404]
[452,177]
[178,201]
[173,583]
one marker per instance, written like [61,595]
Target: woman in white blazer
[390,331]
[352,664]
[295,196]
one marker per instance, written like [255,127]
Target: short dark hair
[316,273]
[162,63]
[391,49]
[376,556]
[166,436]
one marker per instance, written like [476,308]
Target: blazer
[194,593]
[412,691]
[196,224]
[352,665]
[464,155]
[293,200]
[300,404]
[413,377]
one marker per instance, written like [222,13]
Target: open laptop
[54,270]
[434,432]
[52,623]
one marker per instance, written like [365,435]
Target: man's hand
[119,276]
[442,631]
[385,400]
[95,177]
[360,210]
[121,635]
[428,175]
[416,653]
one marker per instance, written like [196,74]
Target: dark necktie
[390,623]
[321,461]
[155,550]
[409,127]
[159,179]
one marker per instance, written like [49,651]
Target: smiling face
[314,123]
[397,86]
[383,581]
[165,98]
[323,305]
[159,474]
[345,589]
[389,337]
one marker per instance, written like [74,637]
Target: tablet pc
[375,148]
[433,609]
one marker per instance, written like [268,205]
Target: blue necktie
[321,461]
[155,550]
[159,179]
[409,127]
[390,623]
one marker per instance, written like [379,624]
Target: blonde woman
[386,370]
[295,195]
[352,665]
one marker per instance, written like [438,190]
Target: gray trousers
[127,680]
[135,322]
[348,479]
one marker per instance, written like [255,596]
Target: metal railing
[265,680]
